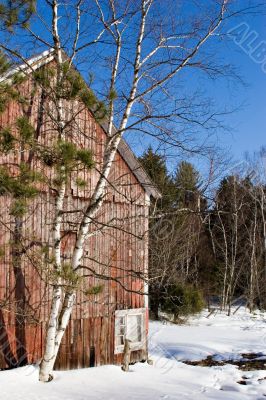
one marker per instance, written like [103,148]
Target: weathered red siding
[119,250]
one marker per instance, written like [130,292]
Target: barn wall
[118,252]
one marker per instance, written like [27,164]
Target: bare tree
[257,174]
[141,52]
[228,235]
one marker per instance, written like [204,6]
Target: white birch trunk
[225,251]
[60,313]
[49,358]
[57,328]
[253,266]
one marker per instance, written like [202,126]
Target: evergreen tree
[187,183]
[21,182]
[16,13]
[173,235]
[159,228]
[237,236]
[18,184]
[155,166]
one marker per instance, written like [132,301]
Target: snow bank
[168,378]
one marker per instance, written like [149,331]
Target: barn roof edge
[35,62]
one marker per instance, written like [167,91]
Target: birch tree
[229,236]
[257,173]
[141,51]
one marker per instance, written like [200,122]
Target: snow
[168,378]
[39,60]
[226,337]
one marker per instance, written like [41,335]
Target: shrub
[182,300]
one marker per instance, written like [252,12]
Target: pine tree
[155,166]
[159,228]
[235,231]
[20,182]
[173,232]
[187,183]
[16,13]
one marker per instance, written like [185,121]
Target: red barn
[111,302]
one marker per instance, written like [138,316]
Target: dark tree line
[204,249]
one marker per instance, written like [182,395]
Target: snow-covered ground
[168,378]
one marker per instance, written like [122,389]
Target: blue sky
[245,101]
[248,124]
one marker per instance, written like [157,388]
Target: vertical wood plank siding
[117,250]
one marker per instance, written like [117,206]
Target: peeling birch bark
[63,300]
